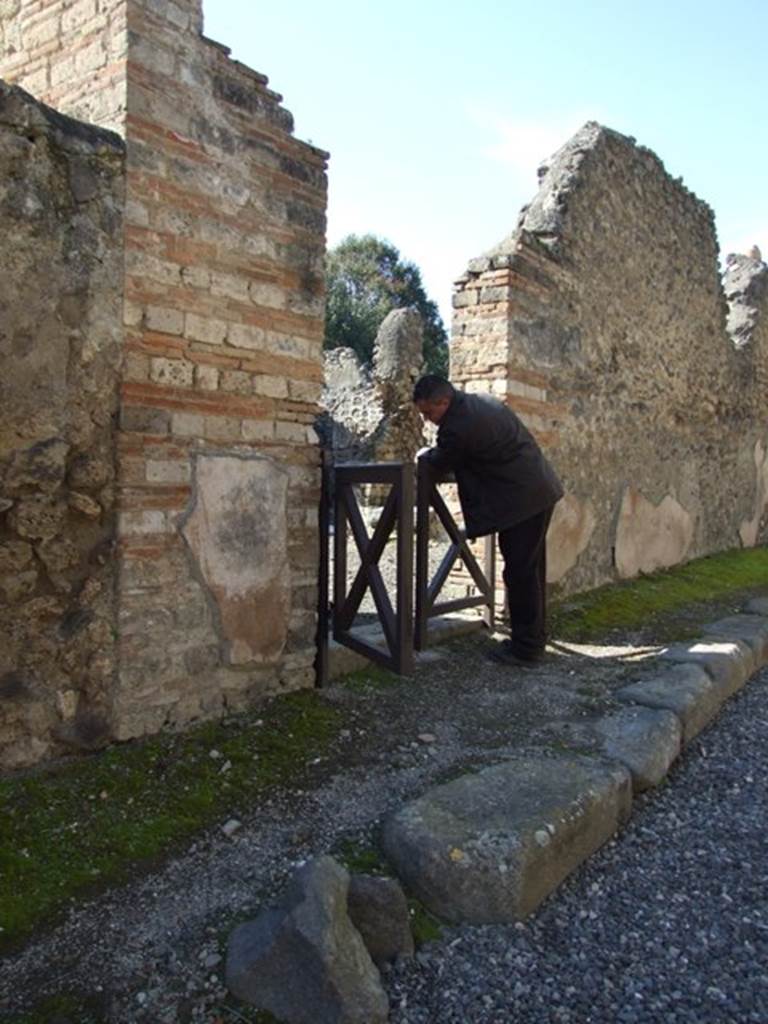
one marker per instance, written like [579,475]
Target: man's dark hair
[431,388]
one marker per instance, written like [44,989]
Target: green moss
[359,858]
[240,1013]
[369,679]
[67,1008]
[643,601]
[69,832]
[424,925]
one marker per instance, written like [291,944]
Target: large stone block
[644,740]
[489,847]
[686,689]
[728,662]
[237,536]
[751,630]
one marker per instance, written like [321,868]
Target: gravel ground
[667,923]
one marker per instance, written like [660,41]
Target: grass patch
[73,830]
[643,601]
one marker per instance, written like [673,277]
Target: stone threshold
[342,660]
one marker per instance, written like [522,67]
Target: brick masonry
[603,321]
[224,239]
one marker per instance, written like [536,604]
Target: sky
[437,114]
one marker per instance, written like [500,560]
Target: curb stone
[686,689]
[487,848]
[751,630]
[490,847]
[728,662]
[757,606]
[645,740]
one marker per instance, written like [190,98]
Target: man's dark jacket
[502,474]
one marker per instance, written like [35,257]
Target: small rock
[215,755]
[84,504]
[230,827]
[379,910]
[427,737]
[311,941]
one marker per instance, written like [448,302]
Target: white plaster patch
[237,532]
[650,537]
[750,528]
[572,526]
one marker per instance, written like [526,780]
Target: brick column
[222,364]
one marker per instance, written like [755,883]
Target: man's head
[432,395]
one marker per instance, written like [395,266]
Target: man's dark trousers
[523,548]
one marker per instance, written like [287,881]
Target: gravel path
[667,923]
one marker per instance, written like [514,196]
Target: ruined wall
[61,202]
[70,53]
[602,320]
[369,415]
[217,461]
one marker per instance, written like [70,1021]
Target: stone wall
[61,208]
[217,460]
[70,53]
[369,415]
[602,320]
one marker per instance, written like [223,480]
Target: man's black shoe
[505,653]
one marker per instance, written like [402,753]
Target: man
[506,486]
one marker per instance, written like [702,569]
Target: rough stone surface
[757,606]
[379,910]
[751,630]
[644,740]
[490,847]
[729,662]
[686,689]
[60,335]
[370,414]
[600,319]
[305,962]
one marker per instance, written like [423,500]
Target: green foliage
[655,598]
[365,280]
[67,832]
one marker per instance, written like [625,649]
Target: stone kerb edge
[696,679]
[693,682]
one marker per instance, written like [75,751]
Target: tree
[366,279]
